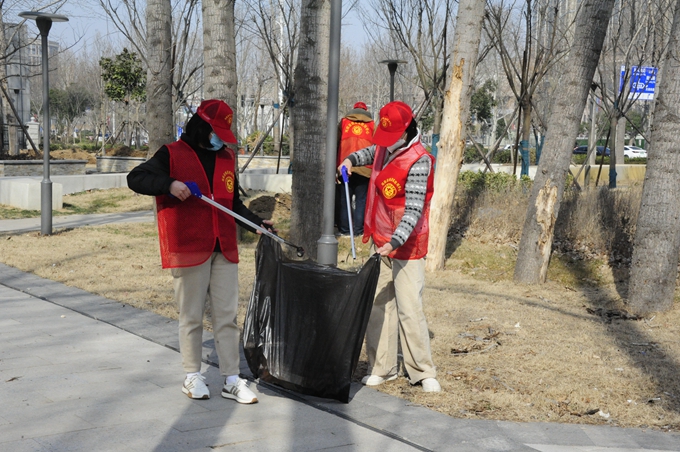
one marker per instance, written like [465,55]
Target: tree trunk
[159,74]
[537,235]
[308,117]
[617,124]
[219,52]
[455,116]
[654,267]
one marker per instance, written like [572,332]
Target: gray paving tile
[41,425]
[105,438]
[24,445]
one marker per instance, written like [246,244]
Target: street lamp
[44,22]
[392,66]
[327,245]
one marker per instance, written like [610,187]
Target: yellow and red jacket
[387,200]
[188,230]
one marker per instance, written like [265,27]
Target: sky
[87,21]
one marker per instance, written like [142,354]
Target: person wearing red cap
[400,190]
[356,131]
[198,242]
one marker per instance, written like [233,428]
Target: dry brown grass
[561,352]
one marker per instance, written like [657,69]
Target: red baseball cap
[360,105]
[219,115]
[395,117]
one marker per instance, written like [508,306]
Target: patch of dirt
[73,154]
[23,155]
[271,207]
[125,151]
[61,154]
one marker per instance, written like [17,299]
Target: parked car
[584,150]
[634,152]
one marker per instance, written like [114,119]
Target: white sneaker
[431,385]
[239,392]
[195,387]
[375,380]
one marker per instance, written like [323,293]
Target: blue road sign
[642,82]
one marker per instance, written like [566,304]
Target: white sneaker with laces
[239,392]
[375,380]
[430,385]
[195,387]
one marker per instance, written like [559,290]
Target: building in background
[23,65]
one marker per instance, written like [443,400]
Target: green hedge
[479,181]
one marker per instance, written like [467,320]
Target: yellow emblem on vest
[357,130]
[389,190]
[228,179]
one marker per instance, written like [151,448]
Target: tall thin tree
[455,117]
[308,117]
[537,234]
[657,236]
[219,52]
[159,109]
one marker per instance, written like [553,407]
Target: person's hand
[269,226]
[385,250]
[179,190]
[347,163]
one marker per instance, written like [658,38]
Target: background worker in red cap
[399,194]
[198,242]
[356,131]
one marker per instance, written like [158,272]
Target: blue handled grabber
[193,187]
[345,179]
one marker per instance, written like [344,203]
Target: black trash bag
[305,323]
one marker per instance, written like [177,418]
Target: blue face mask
[216,142]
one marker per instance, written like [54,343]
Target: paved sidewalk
[22,225]
[79,372]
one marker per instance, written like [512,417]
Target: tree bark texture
[219,52]
[454,119]
[308,118]
[537,234]
[654,266]
[159,115]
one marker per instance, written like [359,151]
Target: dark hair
[199,131]
[411,130]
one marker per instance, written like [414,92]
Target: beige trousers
[215,280]
[398,307]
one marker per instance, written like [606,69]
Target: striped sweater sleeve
[416,189]
[362,157]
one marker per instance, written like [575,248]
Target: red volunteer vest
[188,230]
[387,199]
[354,135]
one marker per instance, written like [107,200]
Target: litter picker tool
[345,179]
[197,192]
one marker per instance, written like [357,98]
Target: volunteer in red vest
[356,131]
[397,209]
[198,242]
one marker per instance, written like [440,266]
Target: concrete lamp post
[392,66]
[44,22]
